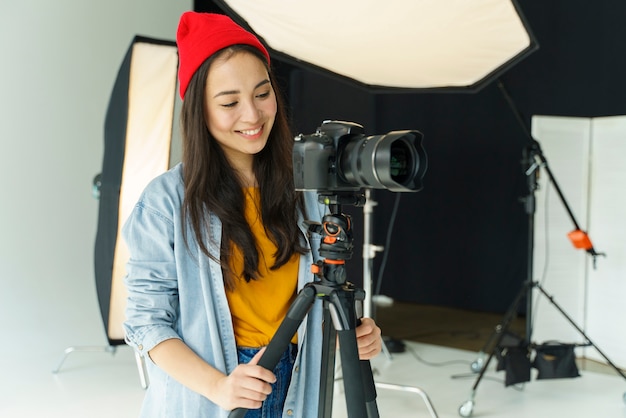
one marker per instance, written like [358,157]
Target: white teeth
[251,132]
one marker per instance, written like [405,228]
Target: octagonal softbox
[138,133]
[395,45]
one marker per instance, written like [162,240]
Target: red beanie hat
[200,35]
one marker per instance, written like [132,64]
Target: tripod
[342,303]
[533,159]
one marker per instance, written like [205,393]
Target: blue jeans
[273,405]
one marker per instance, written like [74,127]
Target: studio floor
[102,384]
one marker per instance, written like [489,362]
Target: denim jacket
[175,291]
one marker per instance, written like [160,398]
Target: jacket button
[290,412]
[140,347]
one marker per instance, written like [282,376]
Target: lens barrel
[395,161]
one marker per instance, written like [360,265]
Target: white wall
[59,61]
[586,158]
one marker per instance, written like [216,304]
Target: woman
[218,251]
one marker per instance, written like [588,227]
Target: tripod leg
[281,340]
[369,388]
[358,381]
[352,374]
[327,375]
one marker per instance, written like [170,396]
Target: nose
[250,112]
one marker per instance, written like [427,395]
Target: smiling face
[240,107]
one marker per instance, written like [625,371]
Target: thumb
[257,356]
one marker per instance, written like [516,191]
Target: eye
[264,95]
[231,104]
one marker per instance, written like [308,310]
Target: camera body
[338,157]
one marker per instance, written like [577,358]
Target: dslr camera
[340,158]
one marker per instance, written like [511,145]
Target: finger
[249,404]
[366,343]
[369,337]
[370,350]
[368,355]
[367,326]
[257,356]
[369,347]
[258,371]
[255,389]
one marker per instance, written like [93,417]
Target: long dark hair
[211,184]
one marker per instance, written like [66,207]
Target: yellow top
[259,307]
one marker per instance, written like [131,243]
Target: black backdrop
[462,241]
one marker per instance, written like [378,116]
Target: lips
[252,133]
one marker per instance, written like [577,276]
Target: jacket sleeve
[151,279]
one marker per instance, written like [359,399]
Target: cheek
[217,122]
[270,108]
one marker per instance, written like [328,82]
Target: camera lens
[395,161]
[400,162]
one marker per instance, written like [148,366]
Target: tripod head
[337,241]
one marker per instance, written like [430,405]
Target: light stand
[369,252]
[533,160]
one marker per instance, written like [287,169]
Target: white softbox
[395,44]
[138,136]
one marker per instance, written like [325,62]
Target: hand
[368,339]
[246,387]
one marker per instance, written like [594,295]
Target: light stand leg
[411,389]
[141,365]
[531,171]
[492,345]
[143,371]
[83,349]
[571,321]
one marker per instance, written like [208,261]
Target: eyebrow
[227,92]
